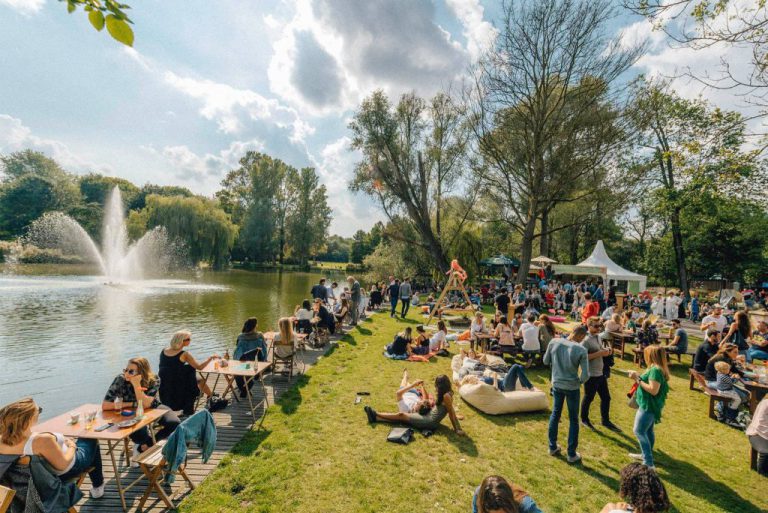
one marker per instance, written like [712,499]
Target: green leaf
[70,7]
[120,30]
[96,19]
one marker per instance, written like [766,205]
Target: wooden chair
[153,465]
[6,496]
[284,354]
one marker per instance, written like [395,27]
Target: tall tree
[414,154]
[309,215]
[542,111]
[689,148]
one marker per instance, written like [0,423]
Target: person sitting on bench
[706,350]
[431,420]
[679,342]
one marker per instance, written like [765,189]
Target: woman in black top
[727,353]
[180,385]
[740,331]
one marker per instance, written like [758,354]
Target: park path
[232,424]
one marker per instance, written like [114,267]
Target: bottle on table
[226,354]
[118,404]
[139,409]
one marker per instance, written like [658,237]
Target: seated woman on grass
[496,495]
[180,385]
[438,342]
[642,489]
[420,345]
[69,458]
[412,397]
[431,420]
[401,346]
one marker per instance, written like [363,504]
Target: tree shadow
[690,478]
[250,442]
[291,399]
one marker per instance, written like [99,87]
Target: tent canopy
[500,260]
[542,260]
[599,258]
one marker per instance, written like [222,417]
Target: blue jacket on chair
[199,427]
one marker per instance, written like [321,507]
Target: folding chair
[284,354]
[155,467]
[6,496]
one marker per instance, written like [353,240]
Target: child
[725,383]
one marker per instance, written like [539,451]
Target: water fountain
[118,260]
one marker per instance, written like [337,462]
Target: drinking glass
[118,404]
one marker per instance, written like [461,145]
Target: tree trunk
[574,247]
[544,243]
[677,242]
[526,249]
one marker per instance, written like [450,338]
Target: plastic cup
[74,417]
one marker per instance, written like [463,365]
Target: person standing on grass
[567,357]
[354,297]
[394,294]
[597,382]
[714,320]
[591,308]
[405,297]
[651,394]
[502,302]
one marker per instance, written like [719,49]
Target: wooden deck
[231,424]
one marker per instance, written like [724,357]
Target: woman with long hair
[401,346]
[180,385]
[504,332]
[250,346]
[651,394]
[642,489]
[740,331]
[137,383]
[547,331]
[496,495]
[439,342]
[68,458]
[431,420]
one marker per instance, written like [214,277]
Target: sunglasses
[187,339]
[130,372]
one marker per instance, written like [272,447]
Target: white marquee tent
[599,258]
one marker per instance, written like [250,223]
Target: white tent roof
[599,258]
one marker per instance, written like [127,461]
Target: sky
[207,81]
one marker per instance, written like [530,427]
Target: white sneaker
[134,455]
[97,492]
[635,456]
[574,459]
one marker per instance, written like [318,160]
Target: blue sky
[208,80]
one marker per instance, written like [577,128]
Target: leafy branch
[107,13]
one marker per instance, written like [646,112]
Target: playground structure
[456,277]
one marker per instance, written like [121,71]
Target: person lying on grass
[504,382]
[412,397]
[431,420]
[496,495]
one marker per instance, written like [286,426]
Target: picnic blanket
[421,357]
[395,356]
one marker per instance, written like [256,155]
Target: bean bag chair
[456,364]
[556,318]
[489,399]
[425,309]
[466,335]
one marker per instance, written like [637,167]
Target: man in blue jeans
[566,357]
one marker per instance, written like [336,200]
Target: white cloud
[336,167]
[15,136]
[207,168]
[26,7]
[333,53]
[479,33]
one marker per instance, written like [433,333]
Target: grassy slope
[316,452]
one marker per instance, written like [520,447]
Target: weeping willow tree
[199,223]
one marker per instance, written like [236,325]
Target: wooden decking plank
[231,425]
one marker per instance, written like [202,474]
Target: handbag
[632,395]
[400,435]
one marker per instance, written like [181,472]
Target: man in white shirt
[673,302]
[530,333]
[714,320]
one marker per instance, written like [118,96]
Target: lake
[64,337]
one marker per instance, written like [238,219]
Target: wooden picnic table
[482,340]
[113,436]
[756,392]
[249,371]
[619,340]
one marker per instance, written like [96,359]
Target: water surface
[63,338]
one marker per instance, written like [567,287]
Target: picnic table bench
[714,395]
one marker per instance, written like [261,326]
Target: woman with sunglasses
[180,385]
[68,458]
[138,383]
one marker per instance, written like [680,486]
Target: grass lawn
[317,453]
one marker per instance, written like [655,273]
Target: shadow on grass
[687,476]
[611,482]
[291,399]
[464,444]
[250,442]
[362,331]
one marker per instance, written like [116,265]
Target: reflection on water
[64,338]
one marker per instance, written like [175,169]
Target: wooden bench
[689,352]
[714,395]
